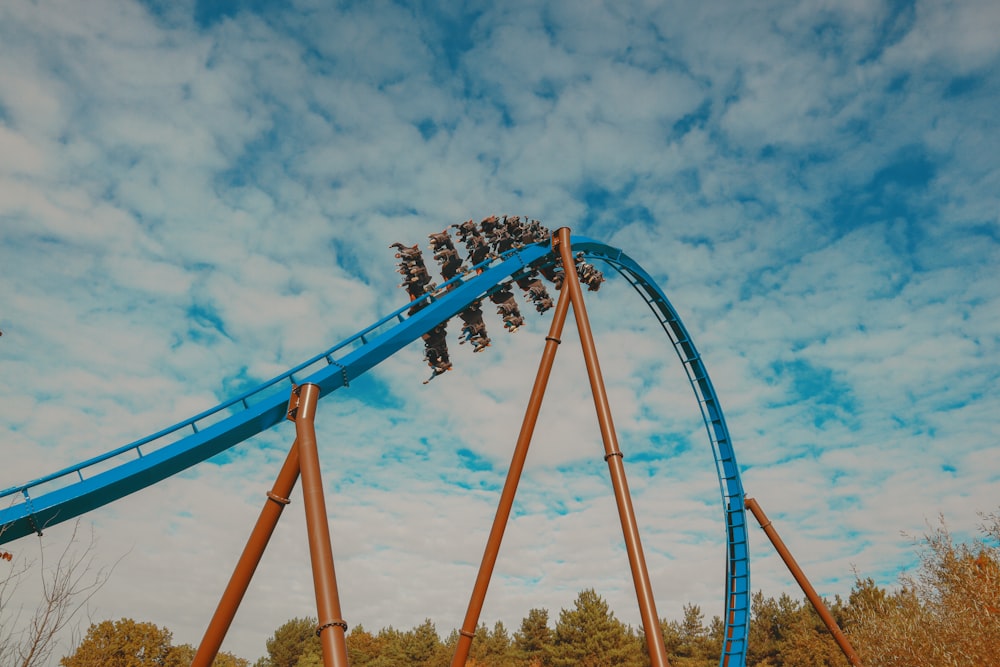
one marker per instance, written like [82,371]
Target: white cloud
[187,210]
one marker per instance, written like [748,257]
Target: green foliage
[293,639]
[492,648]
[421,646]
[589,635]
[948,613]
[533,641]
[789,633]
[181,656]
[362,647]
[689,642]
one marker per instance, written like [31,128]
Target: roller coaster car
[491,237]
[437,359]
[502,242]
[513,323]
[406,252]
[541,305]
[437,371]
[467,230]
[507,308]
[478,249]
[440,240]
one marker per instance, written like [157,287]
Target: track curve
[75,490]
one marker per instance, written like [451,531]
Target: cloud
[196,201]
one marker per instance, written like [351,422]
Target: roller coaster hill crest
[492,238]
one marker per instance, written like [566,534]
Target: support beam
[613,456]
[332,628]
[800,577]
[277,498]
[552,341]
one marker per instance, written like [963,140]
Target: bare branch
[66,587]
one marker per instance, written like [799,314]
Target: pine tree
[591,636]
[422,645]
[534,640]
[771,624]
[362,647]
[181,656]
[491,649]
[290,641]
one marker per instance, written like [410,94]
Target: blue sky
[197,196]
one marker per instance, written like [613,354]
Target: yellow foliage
[945,615]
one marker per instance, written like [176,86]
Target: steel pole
[332,628]
[552,341]
[800,577]
[613,456]
[277,498]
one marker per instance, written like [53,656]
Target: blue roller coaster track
[95,482]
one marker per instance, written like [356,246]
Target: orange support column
[468,630]
[613,455]
[277,498]
[332,628]
[800,578]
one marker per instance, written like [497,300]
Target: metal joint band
[339,623]
[618,454]
[278,499]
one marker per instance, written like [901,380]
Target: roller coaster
[70,492]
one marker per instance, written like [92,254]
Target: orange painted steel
[510,485]
[303,458]
[332,628]
[800,577]
[613,456]
[249,559]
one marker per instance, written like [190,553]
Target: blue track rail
[78,489]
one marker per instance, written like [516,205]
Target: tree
[391,652]
[533,641]
[422,646]
[693,634]
[716,635]
[771,622]
[947,613]
[290,641]
[65,588]
[129,643]
[362,646]
[671,631]
[183,655]
[590,636]
[491,648]
[121,643]
[789,633]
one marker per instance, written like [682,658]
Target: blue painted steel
[70,492]
[737,617]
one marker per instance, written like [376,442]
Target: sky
[197,196]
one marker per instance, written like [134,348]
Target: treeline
[128,643]
[783,631]
[946,613]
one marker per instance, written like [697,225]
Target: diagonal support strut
[570,293]
[303,458]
